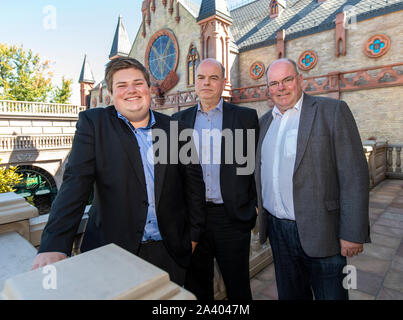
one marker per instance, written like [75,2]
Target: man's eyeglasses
[285,82]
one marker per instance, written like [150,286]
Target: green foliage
[23,77]
[8,179]
[62,94]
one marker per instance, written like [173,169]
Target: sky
[64,31]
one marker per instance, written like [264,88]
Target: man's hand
[45,258]
[194,244]
[350,249]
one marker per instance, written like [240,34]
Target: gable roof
[253,28]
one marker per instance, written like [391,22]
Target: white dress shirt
[279,150]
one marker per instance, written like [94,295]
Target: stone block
[17,255]
[21,227]
[61,123]
[37,123]
[69,130]
[105,273]
[10,130]
[20,123]
[52,130]
[31,130]
[14,208]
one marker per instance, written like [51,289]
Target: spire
[210,8]
[121,44]
[86,75]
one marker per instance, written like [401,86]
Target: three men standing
[311,181]
[312,184]
[230,193]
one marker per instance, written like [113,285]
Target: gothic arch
[192,61]
[274,9]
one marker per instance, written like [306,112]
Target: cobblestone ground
[380,266]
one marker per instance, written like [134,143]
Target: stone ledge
[14,208]
[17,255]
[109,272]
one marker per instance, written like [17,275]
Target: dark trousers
[228,241]
[156,253]
[298,276]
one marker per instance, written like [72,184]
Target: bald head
[283,60]
[210,83]
[284,83]
[212,61]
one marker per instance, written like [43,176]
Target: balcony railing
[16,143]
[35,109]
[394,161]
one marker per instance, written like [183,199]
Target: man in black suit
[153,209]
[230,189]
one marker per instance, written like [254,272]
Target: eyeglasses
[285,82]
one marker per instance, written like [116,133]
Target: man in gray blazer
[312,186]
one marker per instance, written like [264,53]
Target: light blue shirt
[207,136]
[279,151]
[145,142]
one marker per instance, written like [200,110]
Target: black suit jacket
[105,152]
[238,191]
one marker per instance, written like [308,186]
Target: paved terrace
[380,266]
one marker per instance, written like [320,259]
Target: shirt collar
[219,106]
[277,113]
[151,121]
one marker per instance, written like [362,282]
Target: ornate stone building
[346,49]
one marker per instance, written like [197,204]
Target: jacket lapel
[190,117]
[160,168]
[130,145]
[264,126]
[227,123]
[308,113]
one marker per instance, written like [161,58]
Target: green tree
[24,77]
[62,94]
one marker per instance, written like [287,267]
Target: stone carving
[376,46]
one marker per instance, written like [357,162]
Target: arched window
[273,9]
[192,62]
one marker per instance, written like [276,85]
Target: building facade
[346,49]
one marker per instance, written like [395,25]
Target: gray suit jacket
[331,180]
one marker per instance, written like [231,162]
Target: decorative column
[214,43]
[340,34]
[281,44]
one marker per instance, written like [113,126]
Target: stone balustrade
[39,109]
[376,157]
[35,142]
[394,161]
[384,160]
[175,100]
